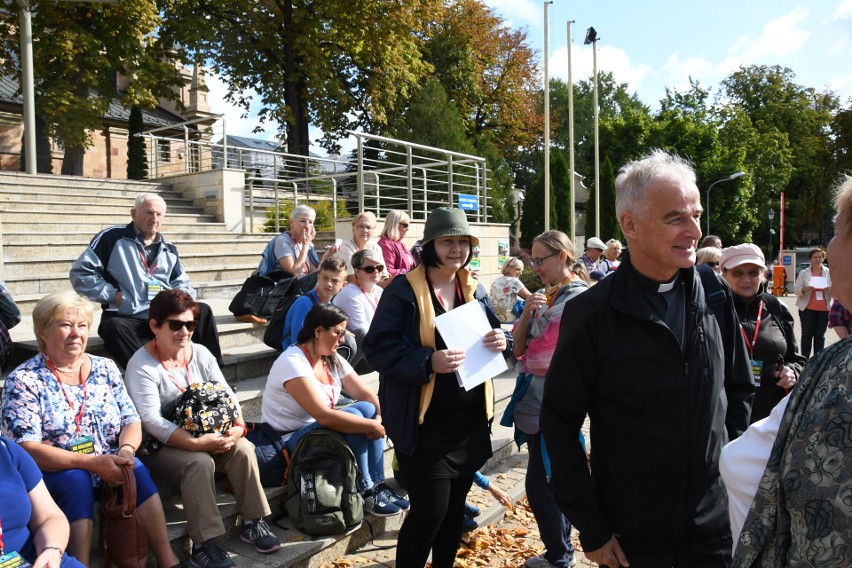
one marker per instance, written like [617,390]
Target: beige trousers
[193,473]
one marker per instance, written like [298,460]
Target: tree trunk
[72,162]
[294,90]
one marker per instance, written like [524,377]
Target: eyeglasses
[740,273]
[339,334]
[540,261]
[366,227]
[404,225]
[371,269]
[710,263]
[175,325]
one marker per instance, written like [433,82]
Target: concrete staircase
[47,221]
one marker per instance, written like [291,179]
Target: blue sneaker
[376,504]
[471,511]
[391,496]
[469,524]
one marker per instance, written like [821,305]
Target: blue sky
[654,44]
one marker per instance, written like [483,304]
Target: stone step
[40,182]
[14,248]
[12,194]
[35,216]
[64,224]
[193,263]
[95,206]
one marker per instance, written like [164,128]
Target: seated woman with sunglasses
[766,325]
[156,377]
[360,298]
[301,390]
[398,259]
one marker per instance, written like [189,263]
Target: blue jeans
[553,526]
[369,454]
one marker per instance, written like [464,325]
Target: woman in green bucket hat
[440,430]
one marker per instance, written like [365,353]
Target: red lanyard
[328,376]
[437,295]
[145,264]
[169,373]
[370,299]
[1,538]
[756,330]
[78,417]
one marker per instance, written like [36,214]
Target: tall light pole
[573,234]
[28,77]
[546,119]
[733,176]
[592,38]
[771,215]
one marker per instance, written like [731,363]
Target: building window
[164,151]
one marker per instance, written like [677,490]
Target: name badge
[819,295]
[82,445]
[13,560]
[154,288]
[756,371]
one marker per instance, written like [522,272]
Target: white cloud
[678,71]
[236,124]
[519,13]
[842,87]
[610,58]
[780,38]
[843,10]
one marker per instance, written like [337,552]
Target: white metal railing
[383,173]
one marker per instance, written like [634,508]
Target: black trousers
[434,521]
[123,336]
[814,324]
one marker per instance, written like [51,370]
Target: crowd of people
[704,408]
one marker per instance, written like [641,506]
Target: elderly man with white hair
[123,268]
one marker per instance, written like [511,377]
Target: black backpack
[260,295]
[321,494]
[274,333]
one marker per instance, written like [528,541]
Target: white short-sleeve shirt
[359,305]
[279,409]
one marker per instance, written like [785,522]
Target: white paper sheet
[462,328]
[819,282]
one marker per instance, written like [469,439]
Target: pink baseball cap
[738,255]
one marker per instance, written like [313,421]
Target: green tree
[561,190]
[44,154]
[610,228]
[82,49]
[532,216]
[311,62]
[137,160]
[796,122]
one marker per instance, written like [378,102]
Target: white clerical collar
[667,286]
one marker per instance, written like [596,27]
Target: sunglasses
[175,325]
[712,263]
[371,269]
[740,273]
[404,225]
[540,261]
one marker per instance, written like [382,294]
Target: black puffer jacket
[659,418]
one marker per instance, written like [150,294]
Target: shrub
[323,222]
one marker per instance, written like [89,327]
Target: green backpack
[321,495]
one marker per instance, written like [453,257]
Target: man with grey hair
[123,268]
[664,387]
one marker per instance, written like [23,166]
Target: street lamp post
[592,38]
[771,215]
[733,176]
[27,79]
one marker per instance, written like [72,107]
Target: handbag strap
[127,506]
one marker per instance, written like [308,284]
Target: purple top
[397,257]
[838,316]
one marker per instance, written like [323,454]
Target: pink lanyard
[78,417]
[437,295]
[145,264]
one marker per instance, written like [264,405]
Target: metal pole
[359,178]
[546,120]
[573,234]
[28,86]
[597,144]
[410,180]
